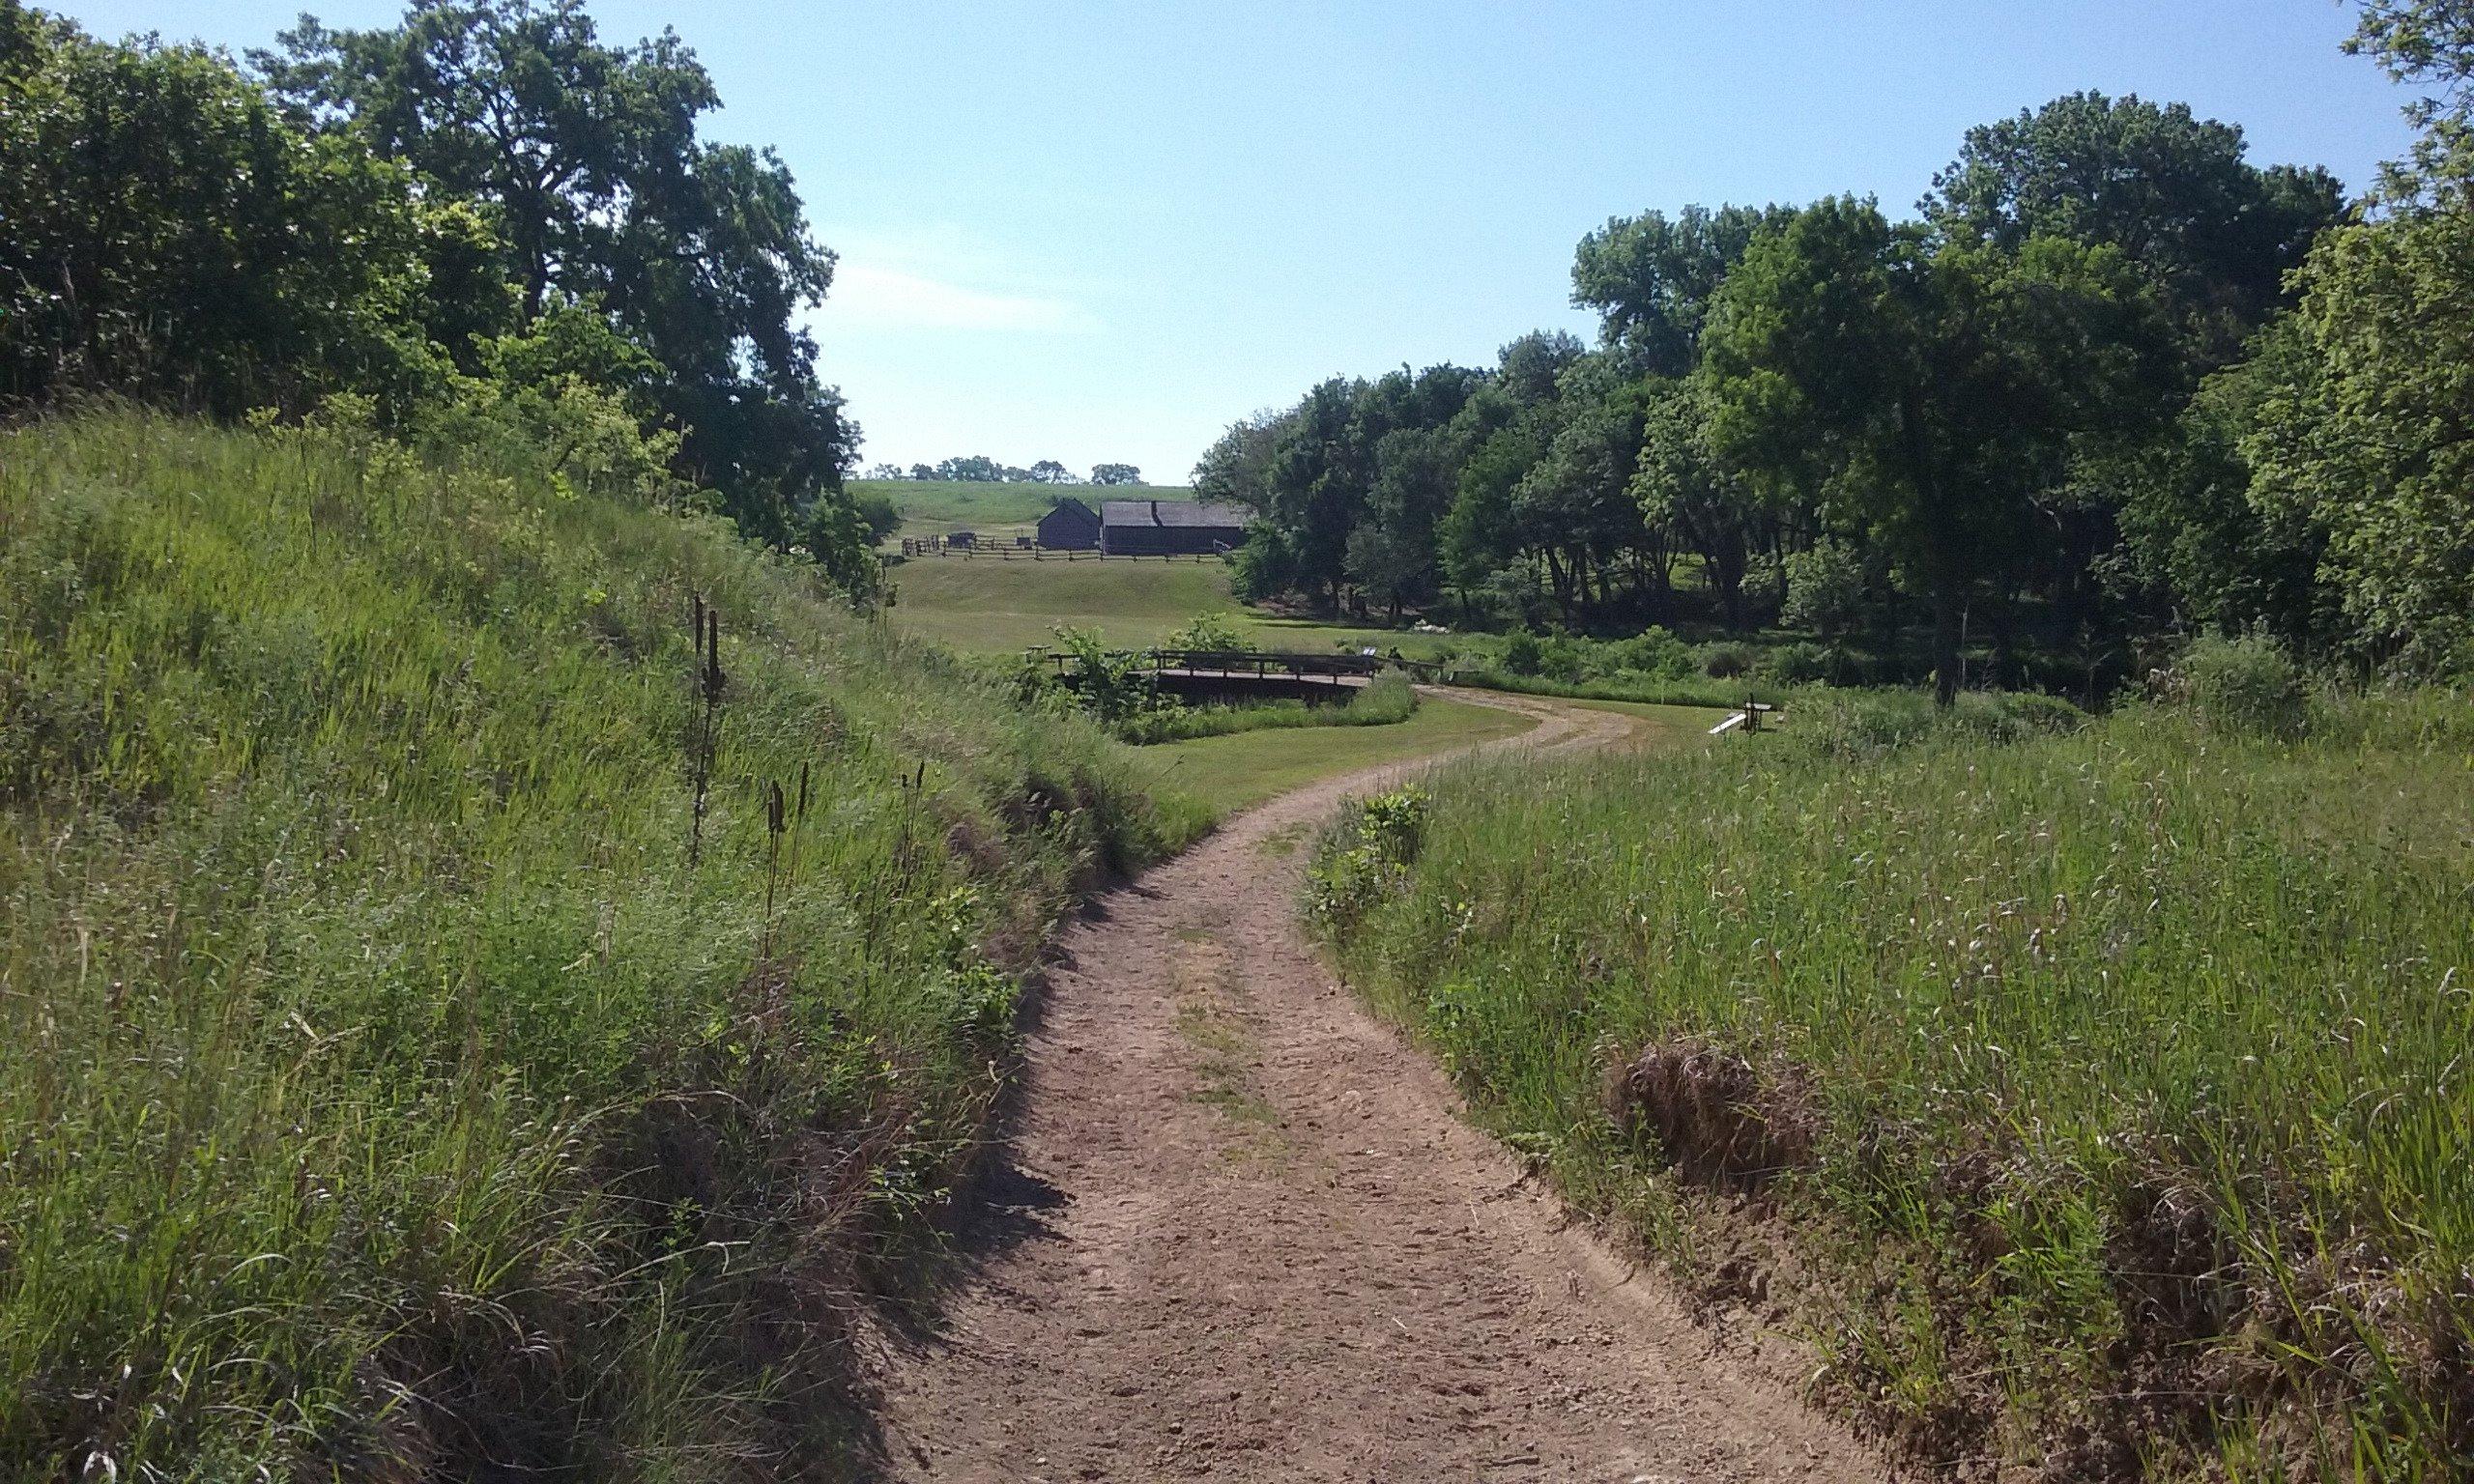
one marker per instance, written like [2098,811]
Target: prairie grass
[2096,1099]
[387,1095]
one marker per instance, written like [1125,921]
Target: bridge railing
[1260,664]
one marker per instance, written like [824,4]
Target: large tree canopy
[2173,191]
[588,156]
[1929,394]
[1651,277]
[165,233]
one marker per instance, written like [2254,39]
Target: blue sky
[1100,231]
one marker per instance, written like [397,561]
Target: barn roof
[1184,513]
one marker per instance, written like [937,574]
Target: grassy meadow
[2096,1099]
[394,1096]
[979,606]
[992,606]
[934,507]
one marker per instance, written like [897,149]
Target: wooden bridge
[1251,670]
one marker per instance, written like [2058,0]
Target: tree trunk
[1946,648]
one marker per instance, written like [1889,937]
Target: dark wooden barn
[1071,525]
[1157,527]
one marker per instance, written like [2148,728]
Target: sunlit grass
[2128,1066]
[1236,772]
[386,1096]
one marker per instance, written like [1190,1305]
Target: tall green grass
[385,1097]
[2098,1099]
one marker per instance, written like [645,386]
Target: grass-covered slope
[2100,1102]
[386,1096]
[989,507]
[980,605]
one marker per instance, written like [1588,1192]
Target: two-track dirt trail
[1240,1232]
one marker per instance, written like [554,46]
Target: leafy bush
[2248,684]
[1210,630]
[1654,652]
[1565,658]
[1852,723]
[1728,661]
[1522,654]
[1363,855]
[1801,663]
[1824,589]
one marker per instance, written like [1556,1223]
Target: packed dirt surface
[1237,1230]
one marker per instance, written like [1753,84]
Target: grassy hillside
[934,507]
[389,1097]
[2098,1102]
[984,607]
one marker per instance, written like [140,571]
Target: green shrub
[1801,663]
[1565,659]
[1824,589]
[1365,854]
[1386,700]
[1656,653]
[2248,684]
[1729,661]
[1522,655]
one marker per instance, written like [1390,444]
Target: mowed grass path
[984,605]
[934,507]
[1241,770]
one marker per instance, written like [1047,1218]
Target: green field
[2101,1092]
[982,606]
[933,508]
[990,606]
[1238,771]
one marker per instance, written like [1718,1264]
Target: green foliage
[481,204]
[1387,700]
[1365,855]
[2106,1079]
[1212,629]
[2172,190]
[2369,434]
[1826,586]
[1932,392]
[1651,277]
[1111,687]
[383,1058]
[2246,684]
[172,236]
[1523,655]
[1858,724]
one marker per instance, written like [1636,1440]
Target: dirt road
[1239,1232]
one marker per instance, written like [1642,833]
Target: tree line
[2111,384]
[483,215]
[979,468]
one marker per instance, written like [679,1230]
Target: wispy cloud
[879,296]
